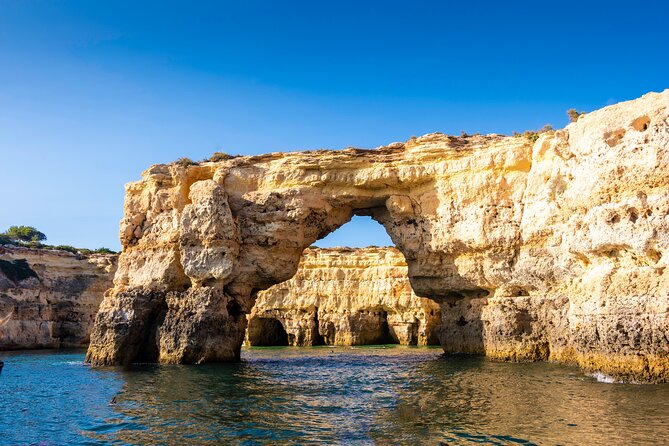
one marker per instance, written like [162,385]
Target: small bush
[531,135]
[220,156]
[104,251]
[67,248]
[574,115]
[185,162]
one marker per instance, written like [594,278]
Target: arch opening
[351,288]
[360,231]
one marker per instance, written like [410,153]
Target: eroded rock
[554,250]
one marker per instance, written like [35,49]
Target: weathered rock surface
[345,296]
[552,250]
[51,297]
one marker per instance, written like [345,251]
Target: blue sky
[92,93]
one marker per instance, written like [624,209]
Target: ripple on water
[321,396]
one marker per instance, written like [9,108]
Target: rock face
[50,297]
[345,296]
[555,249]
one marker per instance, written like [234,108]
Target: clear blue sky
[92,92]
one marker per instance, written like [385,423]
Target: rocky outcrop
[50,297]
[345,296]
[548,250]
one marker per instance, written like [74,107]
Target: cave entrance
[266,332]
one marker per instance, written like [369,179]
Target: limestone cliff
[50,297]
[555,249]
[345,296]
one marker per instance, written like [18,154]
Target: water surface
[322,395]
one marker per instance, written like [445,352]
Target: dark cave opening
[266,332]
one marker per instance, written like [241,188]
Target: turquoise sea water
[322,395]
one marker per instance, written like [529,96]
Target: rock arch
[509,236]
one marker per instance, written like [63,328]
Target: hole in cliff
[266,332]
[148,350]
[234,309]
[633,215]
[353,295]
[519,292]
[318,339]
[654,255]
[360,231]
[641,124]
[614,218]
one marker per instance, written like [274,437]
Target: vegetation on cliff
[30,237]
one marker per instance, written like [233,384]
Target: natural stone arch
[512,238]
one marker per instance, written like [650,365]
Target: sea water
[322,395]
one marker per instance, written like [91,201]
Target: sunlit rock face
[49,298]
[345,296]
[547,250]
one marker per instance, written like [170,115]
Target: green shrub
[531,135]
[185,162]
[17,270]
[4,240]
[104,251]
[24,234]
[574,115]
[67,248]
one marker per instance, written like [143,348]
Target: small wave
[602,378]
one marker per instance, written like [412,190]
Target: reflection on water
[366,395]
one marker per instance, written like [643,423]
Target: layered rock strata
[548,250]
[345,296]
[50,298]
